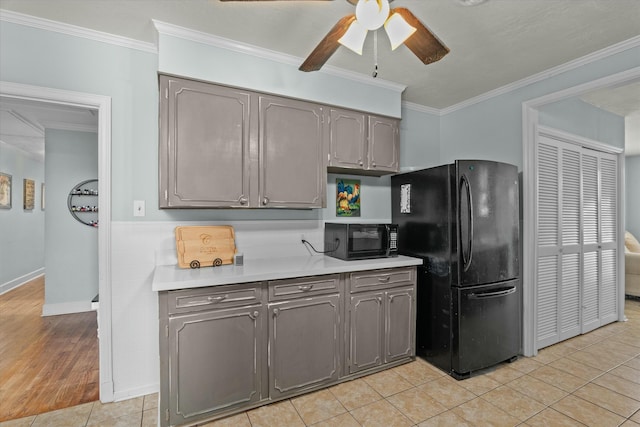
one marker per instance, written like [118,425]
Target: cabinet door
[303,344]
[347,139]
[215,362]
[204,144]
[366,330]
[400,322]
[292,166]
[384,144]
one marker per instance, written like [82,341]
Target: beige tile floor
[592,379]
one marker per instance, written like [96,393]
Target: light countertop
[170,277]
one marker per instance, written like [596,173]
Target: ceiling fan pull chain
[375,54]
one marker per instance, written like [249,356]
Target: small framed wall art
[347,197]
[29,194]
[5,191]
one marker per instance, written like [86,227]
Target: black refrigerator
[462,219]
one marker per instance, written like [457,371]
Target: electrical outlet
[138,208]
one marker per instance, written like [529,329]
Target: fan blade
[423,43]
[327,46]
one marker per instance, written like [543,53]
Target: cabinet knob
[217,299]
[305,288]
[265,201]
[361,162]
[243,200]
[379,299]
[276,311]
[384,279]
[373,164]
[256,313]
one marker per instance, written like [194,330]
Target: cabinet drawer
[302,287]
[375,279]
[214,297]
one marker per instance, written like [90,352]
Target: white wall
[71,248]
[21,231]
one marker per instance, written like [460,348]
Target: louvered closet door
[558,263]
[599,260]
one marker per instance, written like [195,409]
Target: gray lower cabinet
[225,349]
[381,318]
[212,351]
[366,331]
[303,344]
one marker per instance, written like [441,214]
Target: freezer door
[486,326]
[488,222]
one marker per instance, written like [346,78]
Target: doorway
[102,105]
[530,126]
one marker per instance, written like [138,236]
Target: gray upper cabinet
[292,162]
[204,144]
[347,139]
[384,144]
[362,144]
[227,147]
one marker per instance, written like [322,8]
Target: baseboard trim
[66,308]
[136,392]
[19,281]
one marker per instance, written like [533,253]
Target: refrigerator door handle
[464,181]
[496,294]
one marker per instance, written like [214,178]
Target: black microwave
[359,241]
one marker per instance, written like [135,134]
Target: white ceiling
[22,122]
[492,45]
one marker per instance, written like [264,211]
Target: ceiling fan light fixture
[354,37]
[372,14]
[398,30]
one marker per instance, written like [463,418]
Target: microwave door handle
[388,242]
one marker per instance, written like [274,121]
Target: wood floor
[46,363]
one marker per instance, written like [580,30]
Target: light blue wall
[492,129]
[580,118]
[215,64]
[632,187]
[21,231]
[71,248]
[419,139]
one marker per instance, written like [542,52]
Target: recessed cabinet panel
[348,139]
[204,149]
[400,324]
[304,348]
[292,165]
[366,331]
[214,362]
[383,144]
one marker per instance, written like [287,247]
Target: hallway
[46,363]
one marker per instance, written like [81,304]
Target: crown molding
[551,72]
[260,52]
[421,108]
[74,30]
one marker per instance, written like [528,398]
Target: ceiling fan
[350,31]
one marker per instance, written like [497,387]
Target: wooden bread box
[205,246]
